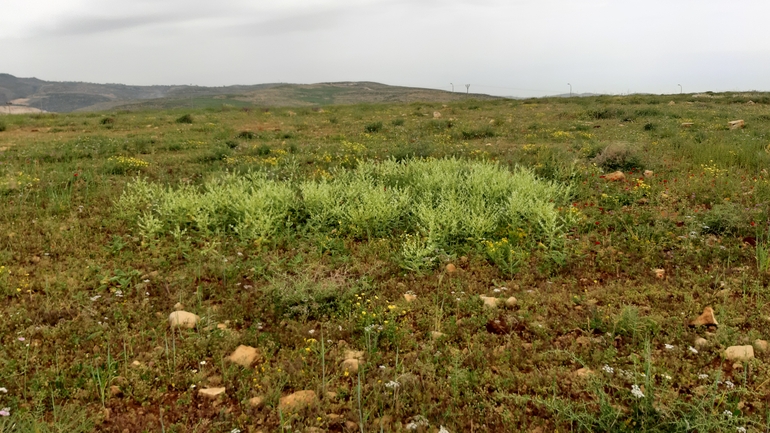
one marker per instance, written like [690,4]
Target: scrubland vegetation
[406,267]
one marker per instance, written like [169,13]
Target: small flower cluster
[419,421]
[128,162]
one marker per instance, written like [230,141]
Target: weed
[185,118]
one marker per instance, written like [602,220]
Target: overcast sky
[513,47]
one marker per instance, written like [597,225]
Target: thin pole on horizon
[570,89]
[453,87]
[680,88]
[467,88]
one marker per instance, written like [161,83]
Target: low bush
[373,127]
[187,118]
[618,156]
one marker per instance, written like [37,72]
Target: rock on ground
[489,301]
[257,402]
[298,401]
[244,356]
[183,319]
[739,353]
[615,176]
[350,365]
[760,345]
[707,318]
[211,393]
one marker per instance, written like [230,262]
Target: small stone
[648,173]
[436,335]
[687,124]
[583,341]
[244,356]
[737,366]
[314,430]
[211,393]
[297,401]
[450,268]
[489,301]
[354,354]
[409,297]
[739,353]
[760,345]
[672,103]
[350,365]
[334,418]
[331,395]
[183,319]
[707,318]
[700,343]
[221,326]
[510,302]
[257,402]
[583,373]
[660,273]
[178,306]
[115,391]
[436,115]
[351,426]
[136,364]
[615,176]
[736,124]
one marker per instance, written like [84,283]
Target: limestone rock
[298,401]
[489,301]
[583,373]
[350,365]
[649,173]
[257,402]
[672,103]
[660,273]
[615,176]
[354,354]
[183,319]
[736,124]
[409,297]
[211,393]
[436,115]
[436,335]
[450,268]
[700,343]
[510,302]
[760,345]
[687,124]
[178,306]
[739,353]
[707,318]
[244,356]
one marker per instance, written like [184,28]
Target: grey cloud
[96,25]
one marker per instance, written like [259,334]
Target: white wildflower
[636,391]
[729,384]
[607,369]
[741,429]
[419,421]
[119,293]
[703,376]
[392,385]
[311,332]
[3,390]
[727,413]
[669,346]
[94,298]
[693,350]
[235,430]
[443,430]
[5,412]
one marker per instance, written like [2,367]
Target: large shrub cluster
[434,205]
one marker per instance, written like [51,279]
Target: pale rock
[409,297]
[489,301]
[314,430]
[115,391]
[700,343]
[257,402]
[760,345]
[687,124]
[351,426]
[672,103]
[707,318]
[450,268]
[583,341]
[648,173]
[221,326]
[350,365]
[178,306]
[511,302]
[615,176]
[583,373]
[750,102]
[660,273]
[183,319]
[298,401]
[436,115]
[244,356]
[136,364]
[739,353]
[736,124]
[211,393]
[436,335]
[354,354]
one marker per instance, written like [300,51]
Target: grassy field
[411,267]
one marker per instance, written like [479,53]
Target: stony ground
[648,311]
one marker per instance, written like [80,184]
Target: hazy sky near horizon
[514,47]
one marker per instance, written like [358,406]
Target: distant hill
[76,96]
